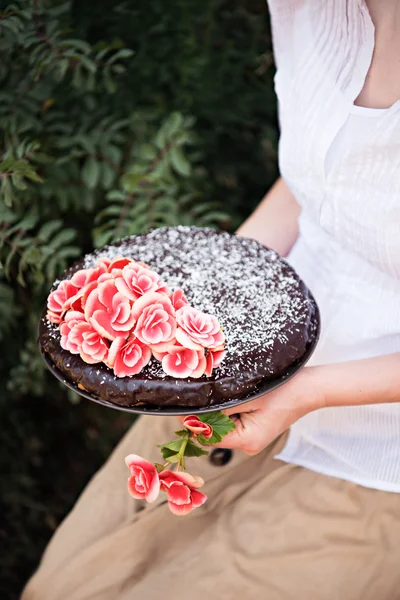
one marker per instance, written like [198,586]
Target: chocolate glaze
[266,311]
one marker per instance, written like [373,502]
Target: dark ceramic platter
[151,409]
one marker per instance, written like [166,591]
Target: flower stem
[181,453]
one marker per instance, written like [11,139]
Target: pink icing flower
[155,319]
[71,319]
[182,492]
[92,347]
[178,299]
[137,280]
[197,329]
[197,427]
[144,482]
[183,362]
[213,360]
[128,357]
[56,302]
[108,311]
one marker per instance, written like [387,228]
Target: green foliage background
[115,116]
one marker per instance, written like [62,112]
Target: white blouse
[348,251]
[359,126]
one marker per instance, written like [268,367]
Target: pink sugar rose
[108,311]
[57,300]
[183,362]
[137,280]
[197,427]
[92,347]
[181,489]
[213,360]
[71,319]
[128,357]
[155,319]
[178,299]
[197,329]
[144,482]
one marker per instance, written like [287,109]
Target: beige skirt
[269,530]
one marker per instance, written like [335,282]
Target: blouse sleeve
[282,16]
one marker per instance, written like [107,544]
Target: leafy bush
[116,117]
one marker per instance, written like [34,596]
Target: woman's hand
[354,383]
[259,422]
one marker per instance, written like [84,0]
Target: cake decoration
[121,313]
[268,316]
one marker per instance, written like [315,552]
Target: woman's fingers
[246,407]
[247,435]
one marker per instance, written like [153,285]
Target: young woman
[314,513]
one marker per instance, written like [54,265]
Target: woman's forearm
[367,381]
[274,223]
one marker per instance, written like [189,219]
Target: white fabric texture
[360,125]
[348,251]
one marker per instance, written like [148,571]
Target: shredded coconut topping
[250,289]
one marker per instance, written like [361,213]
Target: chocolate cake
[267,314]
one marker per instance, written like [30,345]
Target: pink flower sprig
[146,479]
[121,313]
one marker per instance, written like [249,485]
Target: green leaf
[108,176]
[18,181]
[7,192]
[33,176]
[130,181]
[91,173]
[173,124]
[147,152]
[121,54]
[48,229]
[193,449]
[89,65]
[174,446]
[74,43]
[221,425]
[179,162]
[181,432]
[62,238]
[109,83]
[169,455]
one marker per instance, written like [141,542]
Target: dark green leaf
[221,425]
[169,455]
[48,229]
[91,173]
[181,432]
[193,449]
[174,446]
[179,162]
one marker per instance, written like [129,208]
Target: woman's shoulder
[295,23]
[283,17]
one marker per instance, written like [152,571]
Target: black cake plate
[151,409]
